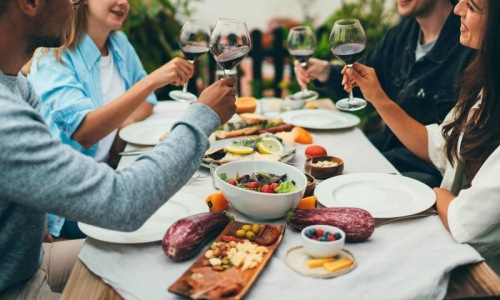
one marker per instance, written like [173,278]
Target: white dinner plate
[227,142]
[382,195]
[320,119]
[179,206]
[146,133]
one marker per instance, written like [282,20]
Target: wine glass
[301,44]
[347,42]
[229,43]
[193,42]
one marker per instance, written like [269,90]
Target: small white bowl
[292,104]
[323,249]
[259,205]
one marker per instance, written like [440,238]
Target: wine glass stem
[185,87]
[226,73]
[351,97]
[305,91]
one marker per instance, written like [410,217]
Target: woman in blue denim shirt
[95,84]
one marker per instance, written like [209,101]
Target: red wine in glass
[193,52]
[232,58]
[302,55]
[301,43]
[349,53]
[347,41]
[229,43]
[193,42]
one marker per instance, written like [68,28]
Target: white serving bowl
[255,204]
[323,249]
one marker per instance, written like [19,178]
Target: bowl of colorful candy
[322,241]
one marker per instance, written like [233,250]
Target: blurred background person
[418,63]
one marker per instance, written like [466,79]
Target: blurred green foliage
[153,29]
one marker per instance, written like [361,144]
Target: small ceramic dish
[311,186]
[323,167]
[322,241]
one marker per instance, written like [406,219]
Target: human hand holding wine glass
[347,42]
[301,44]
[229,43]
[193,42]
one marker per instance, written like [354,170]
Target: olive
[240,233]
[246,227]
[255,228]
[250,235]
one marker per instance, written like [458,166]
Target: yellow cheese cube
[314,263]
[337,265]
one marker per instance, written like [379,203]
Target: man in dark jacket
[417,62]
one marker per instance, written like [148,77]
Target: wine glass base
[354,104]
[305,95]
[182,96]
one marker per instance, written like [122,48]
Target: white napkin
[410,259]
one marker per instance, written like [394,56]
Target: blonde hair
[74,35]
[75,31]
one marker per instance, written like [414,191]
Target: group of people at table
[85,82]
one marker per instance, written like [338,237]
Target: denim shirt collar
[91,54]
[448,37]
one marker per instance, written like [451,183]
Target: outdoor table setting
[410,255]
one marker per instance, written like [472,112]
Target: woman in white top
[95,84]
[465,147]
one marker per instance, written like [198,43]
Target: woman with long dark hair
[465,147]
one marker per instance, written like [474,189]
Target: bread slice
[253,118]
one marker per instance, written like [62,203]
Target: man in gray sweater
[38,174]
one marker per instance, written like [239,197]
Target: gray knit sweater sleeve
[38,174]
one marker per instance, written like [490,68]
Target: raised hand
[316,69]
[220,96]
[366,79]
[177,72]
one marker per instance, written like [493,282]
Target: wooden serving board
[181,287]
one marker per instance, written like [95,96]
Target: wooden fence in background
[277,54]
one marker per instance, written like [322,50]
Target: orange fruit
[315,150]
[310,202]
[310,105]
[302,136]
[245,105]
[217,202]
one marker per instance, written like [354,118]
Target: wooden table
[470,281]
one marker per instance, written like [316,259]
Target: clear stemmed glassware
[347,42]
[301,44]
[193,42]
[229,43]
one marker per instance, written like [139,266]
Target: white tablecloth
[404,260]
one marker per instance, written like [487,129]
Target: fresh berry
[322,235]
[232,182]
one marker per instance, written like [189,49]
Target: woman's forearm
[102,121]
[410,132]
[443,200]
